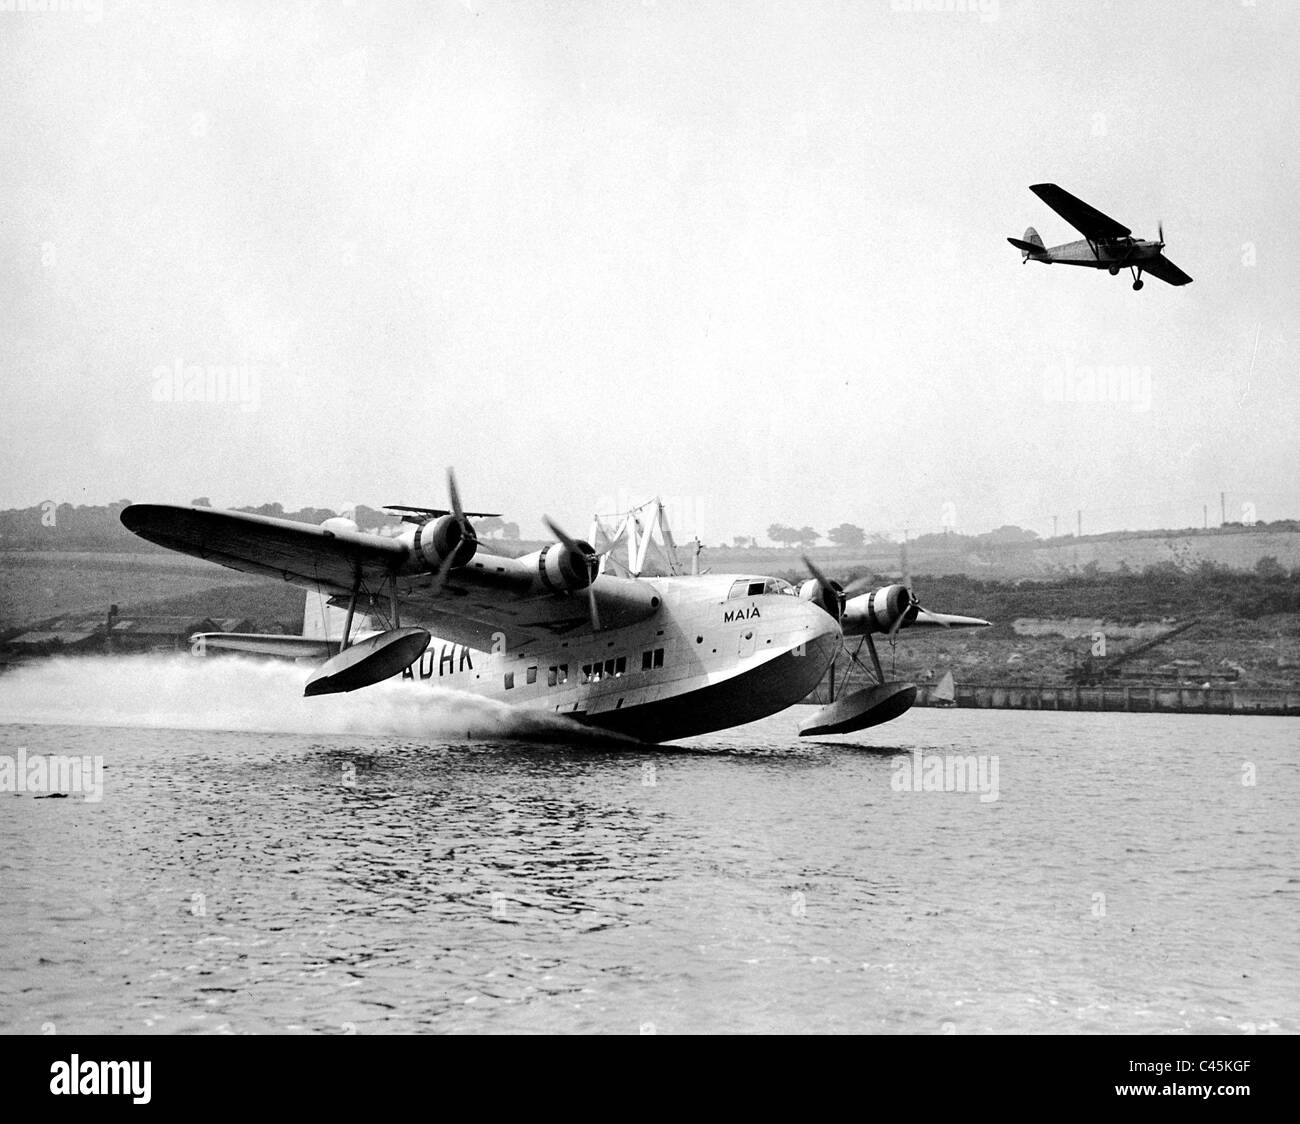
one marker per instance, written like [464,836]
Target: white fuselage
[1101,255]
[721,650]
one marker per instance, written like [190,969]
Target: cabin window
[610,665]
[510,680]
[552,676]
[620,665]
[659,657]
[564,673]
[531,675]
[646,657]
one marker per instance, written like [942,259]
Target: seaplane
[565,629]
[1106,244]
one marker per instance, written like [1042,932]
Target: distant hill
[1007,552]
[1237,548]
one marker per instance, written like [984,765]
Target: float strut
[352,608]
[875,659]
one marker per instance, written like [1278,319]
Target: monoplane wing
[1160,266]
[1087,220]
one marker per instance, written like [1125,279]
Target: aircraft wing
[1087,220]
[926,619]
[298,553]
[472,606]
[1160,266]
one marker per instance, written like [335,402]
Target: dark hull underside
[747,697]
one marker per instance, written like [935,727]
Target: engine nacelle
[560,569]
[883,608]
[441,544]
[828,599]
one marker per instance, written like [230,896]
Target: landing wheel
[1137,285]
[1114,271]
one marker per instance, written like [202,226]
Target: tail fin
[315,617]
[1031,246]
[323,621]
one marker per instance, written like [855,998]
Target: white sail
[944,691]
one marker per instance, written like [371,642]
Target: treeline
[64,526]
[1010,534]
[850,535]
[1156,591]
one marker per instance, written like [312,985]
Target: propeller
[592,560]
[864,584]
[908,614]
[466,529]
[828,585]
[456,509]
[914,610]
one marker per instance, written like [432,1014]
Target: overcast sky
[749,257]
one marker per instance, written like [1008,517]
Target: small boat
[943,693]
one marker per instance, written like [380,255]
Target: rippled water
[249,881]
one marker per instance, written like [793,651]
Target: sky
[747,257]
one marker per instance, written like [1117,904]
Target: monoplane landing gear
[1137,278]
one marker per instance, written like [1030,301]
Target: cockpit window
[754,587]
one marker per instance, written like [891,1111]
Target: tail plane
[1031,246]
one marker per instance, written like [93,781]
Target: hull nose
[804,643]
[806,663]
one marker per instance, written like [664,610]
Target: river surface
[244,872]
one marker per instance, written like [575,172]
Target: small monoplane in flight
[1106,244]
